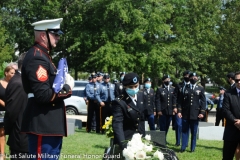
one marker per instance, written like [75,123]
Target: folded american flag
[62,70]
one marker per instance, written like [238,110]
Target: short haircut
[237,73]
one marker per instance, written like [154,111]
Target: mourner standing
[105,99]
[16,101]
[191,108]
[92,93]
[44,118]
[128,112]
[178,121]
[9,72]
[230,109]
[230,79]
[219,115]
[165,104]
[149,98]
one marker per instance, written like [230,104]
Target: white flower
[158,155]
[147,148]
[148,137]
[137,137]
[140,155]
[128,153]
[135,146]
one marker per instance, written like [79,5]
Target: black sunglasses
[237,80]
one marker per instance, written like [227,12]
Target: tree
[195,26]
[6,49]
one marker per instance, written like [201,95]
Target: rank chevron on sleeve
[41,74]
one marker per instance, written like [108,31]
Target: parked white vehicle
[75,105]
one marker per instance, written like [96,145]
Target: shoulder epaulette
[172,87]
[120,97]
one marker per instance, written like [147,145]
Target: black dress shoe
[177,144]
[182,151]
[192,150]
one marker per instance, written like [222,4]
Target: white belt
[30,95]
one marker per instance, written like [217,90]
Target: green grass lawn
[85,144]
[90,146]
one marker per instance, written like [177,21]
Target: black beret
[222,88]
[106,76]
[89,78]
[186,72]
[231,75]
[192,74]
[165,77]
[147,80]
[93,75]
[130,79]
[122,73]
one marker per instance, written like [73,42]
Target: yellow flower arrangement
[108,127]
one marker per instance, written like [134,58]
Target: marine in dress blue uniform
[106,98]
[92,93]
[191,108]
[178,121]
[149,100]
[165,104]
[44,118]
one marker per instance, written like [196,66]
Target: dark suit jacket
[165,100]
[231,111]
[191,103]
[16,101]
[149,101]
[128,118]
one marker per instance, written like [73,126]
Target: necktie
[239,94]
[95,89]
[109,97]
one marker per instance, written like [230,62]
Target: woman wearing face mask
[128,113]
[149,100]
[165,104]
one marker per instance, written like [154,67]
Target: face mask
[193,81]
[147,85]
[132,92]
[186,79]
[121,78]
[166,83]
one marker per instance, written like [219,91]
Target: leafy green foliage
[152,38]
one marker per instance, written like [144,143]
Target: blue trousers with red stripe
[44,147]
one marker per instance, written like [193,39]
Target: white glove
[69,80]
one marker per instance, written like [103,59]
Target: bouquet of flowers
[108,127]
[142,148]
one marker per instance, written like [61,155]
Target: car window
[79,93]
[74,93]
[80,84]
